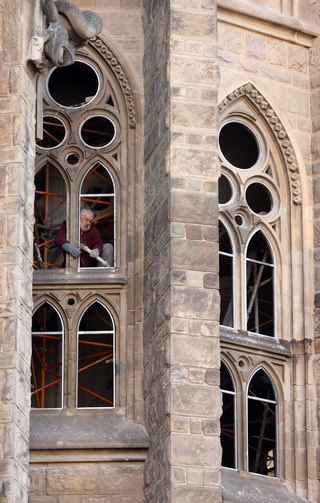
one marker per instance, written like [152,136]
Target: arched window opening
[50,212]
[225,277]
[47,357]
[98,195]
[260,286]
[227,420]
[95,382]
[262,430]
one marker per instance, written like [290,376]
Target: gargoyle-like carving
[68,29]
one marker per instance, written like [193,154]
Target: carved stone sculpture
[68,28]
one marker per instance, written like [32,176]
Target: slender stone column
[17,98]
[181,285]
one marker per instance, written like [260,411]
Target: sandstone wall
[17,98]
[181,300]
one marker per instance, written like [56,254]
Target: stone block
[192,450]
[193,162]
[193,399]
[297,58]
[193,115]
[194,477]
[72,479]
[187,70]
[194,231]
[256,47]
[194,255]
[193,351]
[37,477]
[178,475]
[276,53]
[193,24]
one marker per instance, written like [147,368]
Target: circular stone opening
[71,302]
[73,86]
[259,198]
[225,190]
[98,131]
[238,145]
[73,158]
[239,220]
[54,132]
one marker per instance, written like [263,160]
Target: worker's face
[85,222]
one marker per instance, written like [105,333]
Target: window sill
[244,487]
[83,429]
[249,339]
[74,276]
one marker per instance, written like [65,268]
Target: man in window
[90,237]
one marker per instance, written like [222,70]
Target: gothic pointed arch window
[259,281]
[262,425]
[228,418]
[95,360]
[87,183]
[47,358]
[258,198]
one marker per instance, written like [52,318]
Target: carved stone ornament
[68,29]
[280,133]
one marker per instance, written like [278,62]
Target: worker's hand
[73,250]
[94,253]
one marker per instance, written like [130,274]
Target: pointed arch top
[266,110]
[115,65]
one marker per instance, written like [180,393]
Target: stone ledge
[294,30]
[258,342]
[250,488]
[68,276]
[84,429]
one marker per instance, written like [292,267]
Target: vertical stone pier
[17,98]
[181,252]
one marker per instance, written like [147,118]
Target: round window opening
[54,132]
[73,158]
[259,198]
[73,86]
[98,131]
[225,190]
[238,145]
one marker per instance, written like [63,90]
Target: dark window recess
[238,145]
[97,194]
[259,198]
[225,190]
[73,86]
[54,132]
[260,286]
[95,358]
[73,158]
[227,420]
[225,277]
[262,442]
[98,131]
[50,212]
[46,363]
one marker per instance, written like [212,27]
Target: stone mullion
[194,344]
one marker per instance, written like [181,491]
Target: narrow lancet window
[262,431]
[225,277]
[227,420]
[260,286]
[96,334]
[98,196]
[47,358]
[50,213]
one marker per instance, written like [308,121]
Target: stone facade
[178,70]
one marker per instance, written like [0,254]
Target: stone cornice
[108,55]
[268,22]
[265,109]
